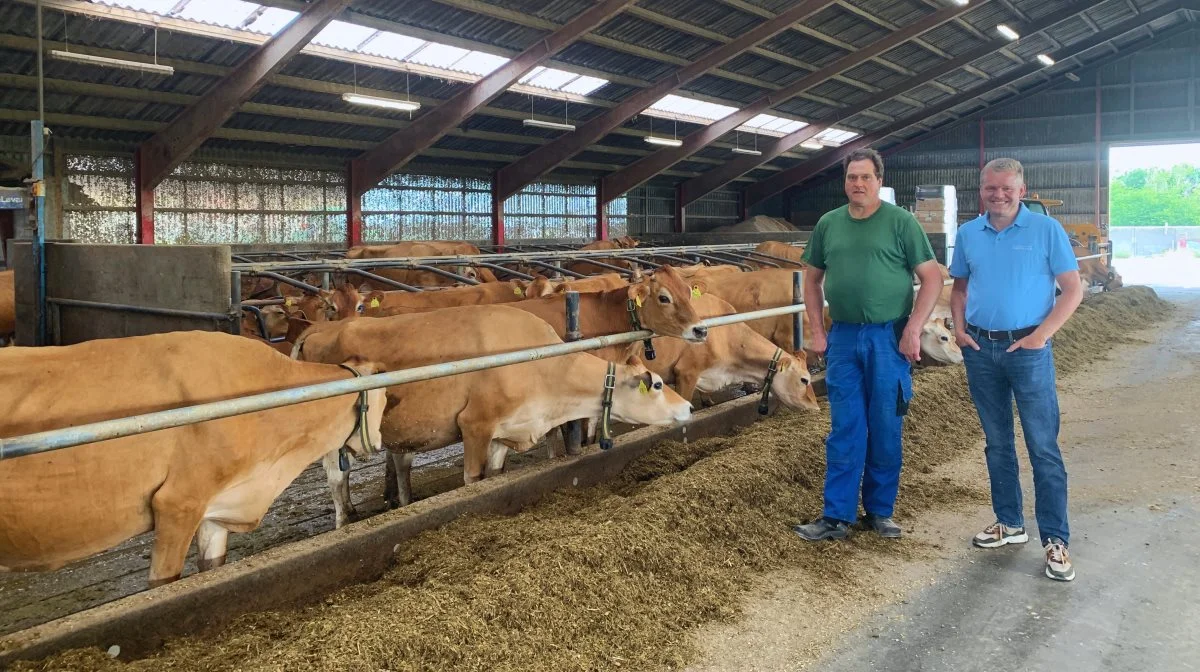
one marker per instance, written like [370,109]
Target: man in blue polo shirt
[1005,266]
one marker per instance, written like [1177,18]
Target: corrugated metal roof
[840,24]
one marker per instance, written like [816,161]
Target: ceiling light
[960,3]
[812,144]
[1007,32]
[665,142]
[138,66]
[1073,77]
[1045,60]
[555,125]
[390,103]
[743,150]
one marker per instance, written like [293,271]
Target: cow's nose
[700,333]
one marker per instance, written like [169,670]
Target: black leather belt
[1002,335]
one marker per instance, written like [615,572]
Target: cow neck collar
[610,383]
[635,323]
[772,369]
[360,426]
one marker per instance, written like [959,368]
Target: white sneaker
[1058,561]
[998,534]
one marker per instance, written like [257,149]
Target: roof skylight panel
[342,35]
[679,105]
[438,55]
[393,45]
[835,136]
[584,85]
[479,63]
[227,13]
[152,6]
[551,78]
[272,20]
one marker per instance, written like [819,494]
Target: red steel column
[353,203]
[143,203]
[497,217]
[680,210]
[1099,152]
[601,212]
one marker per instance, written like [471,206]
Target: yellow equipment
[1085,234]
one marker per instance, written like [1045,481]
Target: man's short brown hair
[865,154]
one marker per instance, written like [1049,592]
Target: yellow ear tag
[375,303]
[518,291]
[642,388]
[638,301]
[695,290]
[289,302]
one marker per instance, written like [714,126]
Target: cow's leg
[211,542]
[477,440]
[339,488]
[398,487]
[176,517]
[497,453]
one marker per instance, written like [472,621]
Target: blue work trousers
[996,377]
[870,385]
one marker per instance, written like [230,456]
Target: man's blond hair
[1004,165]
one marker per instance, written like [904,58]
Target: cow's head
[664,305]
[1113,281]
[792,384]
[626,242]
[538,287]
[312,307]
[376,404]
[641,398]
[937,343]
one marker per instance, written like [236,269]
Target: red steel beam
[354,223]
[802,172]
[711,180]
[143,204]
[497,219]
[513,177]
[172,145]
[643,169]
[400,148]
[601,212]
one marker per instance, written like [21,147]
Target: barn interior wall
[652,211]
[1150,96]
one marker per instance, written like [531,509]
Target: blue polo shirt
[1010,273]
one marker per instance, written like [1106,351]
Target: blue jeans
[995,378]
[869,384]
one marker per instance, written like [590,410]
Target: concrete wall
[194,278]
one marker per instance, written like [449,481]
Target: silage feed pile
[618,576]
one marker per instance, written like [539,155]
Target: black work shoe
[822,528]
[884,526]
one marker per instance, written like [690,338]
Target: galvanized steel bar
[797,318]
[144,310]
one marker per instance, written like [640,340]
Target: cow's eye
[361,308]
[663,298]
[658,386]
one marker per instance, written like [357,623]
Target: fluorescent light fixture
[138,66]
[1073,77]
[554,125]
[1045,60]
[1007,32]
[960,3]
[665,142]
[743,150]
[374,101]
[812,144]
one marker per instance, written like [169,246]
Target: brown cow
[1095,272]
[425,248]
[382,304]
[8,306]
[732,354]
[203,480]
[779,250]
[490,410]
[622,243]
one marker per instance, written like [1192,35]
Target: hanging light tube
[375,101]
[138,66]
[743,150]
[1045,60]
[1007,32]
[665,142]
[554,125]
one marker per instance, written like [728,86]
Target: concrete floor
[1130,433]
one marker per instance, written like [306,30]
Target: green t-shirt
[868,263]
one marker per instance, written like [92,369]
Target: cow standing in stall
[203,480]
[492,410]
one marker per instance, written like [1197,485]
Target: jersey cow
[424,248]
[491,410]
[203,480]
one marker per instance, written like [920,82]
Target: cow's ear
[634,360]
[699,287]
[639,293]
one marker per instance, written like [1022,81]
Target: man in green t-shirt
[862,256]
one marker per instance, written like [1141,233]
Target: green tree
[1157,196]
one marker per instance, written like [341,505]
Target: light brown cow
[490,410]
[622,243]
[382,304]
[732,354]
[779,250]
[595,283]
[661,303]
[203,480]
[1095,272]
[338,304]
[424,248]
[8,306]
[702,272]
